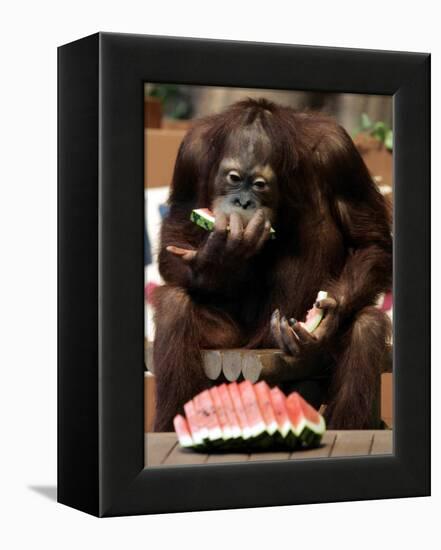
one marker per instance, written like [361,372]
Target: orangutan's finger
[290,340]
[186,255]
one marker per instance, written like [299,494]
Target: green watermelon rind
[310,433]
[202,220]
[306,435]
[309,437]
[266,438]
[259,439]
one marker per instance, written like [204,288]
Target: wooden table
[162,449]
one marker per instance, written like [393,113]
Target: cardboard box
[160,150]
[152,113]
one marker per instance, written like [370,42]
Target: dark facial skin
[245,181]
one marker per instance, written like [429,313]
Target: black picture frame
[101,274]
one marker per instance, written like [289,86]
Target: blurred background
[178,104]
[169,112]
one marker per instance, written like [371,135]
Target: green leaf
[365,122]
[388,140]
[379,131]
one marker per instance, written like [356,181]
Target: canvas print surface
[268,275]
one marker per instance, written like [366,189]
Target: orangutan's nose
[243,203]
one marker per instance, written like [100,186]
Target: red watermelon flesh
[240,410]
[230,411]
[279,407]
[221,413]
[203,430]
[252,410]
[207,212]
[204,416]
[263,396]
[303,416]
[183,431]
[197,431]
[207,415]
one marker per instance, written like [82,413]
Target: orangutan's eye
[234,176]
[259,183]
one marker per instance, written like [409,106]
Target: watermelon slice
[230,412]
[204,217]
[252,410]
[240,410]
[227,432]
[207,417]
[285,429]
[198,433]
[308,424]
[263,396]
[248,417]
[315,315]
[183,431]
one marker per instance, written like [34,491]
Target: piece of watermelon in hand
[205,218]
[308,425]
[315,315]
